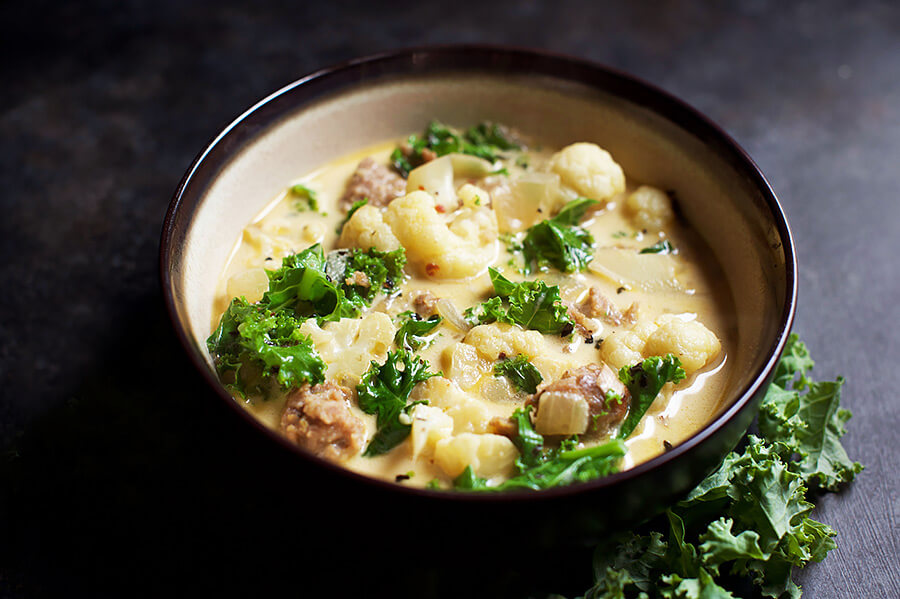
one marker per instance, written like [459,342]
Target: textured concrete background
[122,474]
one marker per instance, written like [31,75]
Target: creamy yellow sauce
[693,288]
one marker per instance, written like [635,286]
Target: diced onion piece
[498,389]
[628,268]
[448,310]
[489,455]
[534,197]
[436,178]
[562,413]
[463,365]
[251,284]
[465,165]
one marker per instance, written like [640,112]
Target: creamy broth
[691,287]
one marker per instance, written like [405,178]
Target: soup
[467,309]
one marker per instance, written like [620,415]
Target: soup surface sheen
[647,286]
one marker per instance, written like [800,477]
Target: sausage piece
[319,419]
[375,182]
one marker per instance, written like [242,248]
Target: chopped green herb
[414,333]
[486,140]
[513,245]
[500,171]
[522,161]
[353,208]
[520,372]
[383,271]
[384,391]
[644,381]
[619,234]
[541,467]
[306,198]
[252,344]
[660,247]
[529,304]
[750,518]
[559,241]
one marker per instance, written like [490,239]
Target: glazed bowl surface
[656,138]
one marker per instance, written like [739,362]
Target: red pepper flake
[431,269]
[421,188]
[440,208]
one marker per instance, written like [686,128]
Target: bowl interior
[723,199]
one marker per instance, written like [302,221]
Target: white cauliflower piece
[463,249]
[469,415]
[589,170]
[349,345]
[687,340]
[366,229]
[463,365]
[472,196]
[649,208]
[499,338]
[489,455]
[429,425]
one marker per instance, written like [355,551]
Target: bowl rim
[409,62]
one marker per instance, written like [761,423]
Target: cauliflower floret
[489,455]
[649,208]
[366,229]
[429,425]
[622,348]
[589,170]
[468,414]
[499,338]
[349,345]
[463,365]
[463,249]
[472,196]
[688,340]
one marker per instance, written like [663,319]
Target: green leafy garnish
[485,140]
[302,285]
[529,304]
[660,247]
[812,423]
[252,344]
[384,391]
[353,208]
[382,270]
[520,372]
[542,467]
[749,518]
[414,332]
[559,241]
[644,381]
[306,198]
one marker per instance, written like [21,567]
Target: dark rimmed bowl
[654,136]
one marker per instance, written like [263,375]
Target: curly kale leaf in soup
[469,309]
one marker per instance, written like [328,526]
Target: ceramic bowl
[656,138]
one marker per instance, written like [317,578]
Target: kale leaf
[559,241]
[660,247]
[306,198]
[644,381]
[413,333]
[382,271]
[749,518]
[811,423]
[252,344]
[542,467]
[384,391]
[529,304]
[520,372]
[485,140]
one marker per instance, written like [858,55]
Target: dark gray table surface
[120,475]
